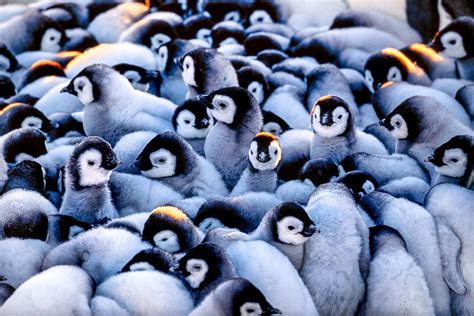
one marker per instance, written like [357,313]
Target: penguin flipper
[237,236]
[450,247]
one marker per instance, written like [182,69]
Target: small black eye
[222,105]
[250,311]
[291,227]
[251,152]
[197,268]
[187,66]
[397,123]
[162,160]
[275,152]
[164,239]
[90,163]
[454,160]
[339,117]
[452,42]
[187,121]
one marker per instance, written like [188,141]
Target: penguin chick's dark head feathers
[331,116]
[382,235]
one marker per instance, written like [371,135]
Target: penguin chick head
[166,155]
[156,33]
[19,115]
[193,119]
[262,12]
[456,39]
[227,32]
[291,224]
[24,144]
[405,121]
[27,175]
[273,124]
[453,157]
[92,163]
[386,237]
[223,213]
[255,82]
[388,65]
[139,77]
[319,171]
[194,65]
[8,61]
[171,230]
[7,87]
[360,183]
[230,105]
[265,152]
[27,225]
[53,37]
[152,259]
[331,117]
[204,264]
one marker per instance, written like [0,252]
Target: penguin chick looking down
[113,108]
[390,64]
[239,119]
[205,70]
[87,196]
[264,158]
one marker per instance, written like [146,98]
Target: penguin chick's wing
[237,236]
[450,247]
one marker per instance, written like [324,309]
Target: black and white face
[453,45]
[265,158]
[51,41]
[330,124]
[233,16]
[188,71]
[260,16]
[196,270]
[399,127]
[291,230]
[161,58]
[210,223]
[83,89]
[163,164]
[167,240]
[157,40]
[455,162]
[367,187]
[142,266]
[256,89]
[224,108]
[204,35]
[251,309]
[91,171]
[134,78]
[189,127]
[33,122]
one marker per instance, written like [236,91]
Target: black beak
[112,164]
[203,124]
[435,45]
[2,278]
[378,85]
[326,120]
[179,61]
[69,89]
[435,161]
[207,100]
[310,230]
[149,75]
[266,158]
[273,311]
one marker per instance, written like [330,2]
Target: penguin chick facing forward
[205,70]
[113,108]
[87,195]
[264,158]
[335,134]
[390,64]
[192,120]
[239,119]
[454,161]
[395,285]
[169,158]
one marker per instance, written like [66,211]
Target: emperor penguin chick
[239,119]
[264,159]
[87,197]
[335,133]
[169,158]
[395,285]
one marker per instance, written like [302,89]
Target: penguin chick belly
[334,148]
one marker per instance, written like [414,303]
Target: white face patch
[368,187]
[274,150]
[232,16]
[167,240]
[90,170]
[251,309]
[204,35]
[51,41]
[210,223]
[83,88]
[228,41]
[273,128]
[198,269]
[256,89]
[369,80]
[162,58]
[224,108]
[260,16]
[132,76]
[74,231]
[22,157]
[159,39]
[4,63]
[188,71]
[394,74]
[400,127]
[455,163]
[32,121]
[185,125]
[142,266]
[289,230]
[453,45]
[163,164]
[340,118]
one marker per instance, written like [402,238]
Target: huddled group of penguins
[205,158]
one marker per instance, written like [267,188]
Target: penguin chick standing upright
[335,134]
[113,108]
[264,159]
[205,70]
[87,196]
[239,119]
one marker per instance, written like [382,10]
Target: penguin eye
[164,239]
[187,65]
[291,227]
[339,116]
[454,160]
[275,152]
[251,152]
[222,105]
[187,121]
[196,268]
[162,160]
[250,310]
[398,123]
[452,42]
[90,163]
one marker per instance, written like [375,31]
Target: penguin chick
[139,77]
[263,12]
[454,161]
[41,77]
[360,183]
[319,171]
[204,267]
[152,259]
[335,134]
[171,230]
[113,108]
[235,297]
[390,64]
[455,40]
[151,33]
[62,228]
[65,126]
[23,144]
[8,61]
[198,27]
[87,195]
[27,175]
[31,225]
[18,115]
[129,147]
[227,33]
[169,158]
[239,119]
[395,284]
[8,88]
[264,158]
[255,82]
[274,124]
[193,121]
[205,70]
